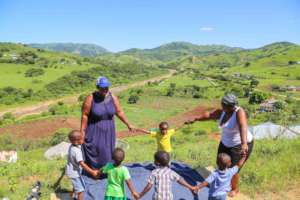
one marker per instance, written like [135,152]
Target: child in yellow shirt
[162,136]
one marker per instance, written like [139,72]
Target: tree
[133,99]
[279,105]
[257,97]
[254,83]
[247,64]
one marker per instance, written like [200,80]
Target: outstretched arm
[86,107]
[185,184]
[92,172]
[146,189]
[120,113]
[242,161]
[132,190]
[206,115]
[200,186]
[143,130]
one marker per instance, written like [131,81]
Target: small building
[268,106]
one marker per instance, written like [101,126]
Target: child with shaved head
[117,175]
[219,181]
[76,164]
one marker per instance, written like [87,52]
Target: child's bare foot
[233,193]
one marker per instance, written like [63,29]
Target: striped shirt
[162,178]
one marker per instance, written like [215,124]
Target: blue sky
[119,25]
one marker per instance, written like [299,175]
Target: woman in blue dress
[98,128]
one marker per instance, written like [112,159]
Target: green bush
[257,97]
[60,136]
[33,72]
[133,99]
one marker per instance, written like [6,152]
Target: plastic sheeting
[271,130]
[95,189]
[61,150]
[58,151]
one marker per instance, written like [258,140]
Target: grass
[13,75]
[278,161]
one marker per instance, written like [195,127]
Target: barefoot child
[219,181]
[162,136]
[76,164]
[162,178]
[116,176]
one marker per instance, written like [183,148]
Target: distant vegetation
[77,48]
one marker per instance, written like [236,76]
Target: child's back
[220,181]
[116,177]
[162,178]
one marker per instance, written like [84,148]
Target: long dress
[99,141]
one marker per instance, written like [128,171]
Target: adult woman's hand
[244,149]
[131,128]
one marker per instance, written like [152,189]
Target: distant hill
[276,55]
[175,50]
[77,48]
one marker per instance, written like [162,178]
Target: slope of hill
[29,74]
[175,50]
[77,48]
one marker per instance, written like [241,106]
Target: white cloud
[207,29]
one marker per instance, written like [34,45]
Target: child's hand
[195,190]
[95,173]
[136,195]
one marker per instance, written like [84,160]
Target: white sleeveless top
[231,132]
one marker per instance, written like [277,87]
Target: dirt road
[44,106]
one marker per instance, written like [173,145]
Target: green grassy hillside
[76,48]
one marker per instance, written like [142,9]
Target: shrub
[254,83]
[279,105]
[60,136]
[133,99]
[247,64]
[257,97]
[33,72]
[59,109]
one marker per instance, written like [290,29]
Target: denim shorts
[78,184]
[221,197]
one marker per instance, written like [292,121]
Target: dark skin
[243,127]
[206,184]
[118,157]
[76,140]
[86,107]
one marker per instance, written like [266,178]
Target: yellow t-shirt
[163,141]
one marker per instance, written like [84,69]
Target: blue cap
[102,82]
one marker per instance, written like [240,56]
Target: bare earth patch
[46,127]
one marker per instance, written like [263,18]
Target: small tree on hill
[254,83]
[133,99]
[257,97]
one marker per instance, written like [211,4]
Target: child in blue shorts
[219,181]
[76,164]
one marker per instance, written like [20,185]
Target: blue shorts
[78,184]
[220,197]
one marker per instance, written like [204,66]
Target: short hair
[161,124]
[118,156]
[73,134]
[223,161]
[162,158]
